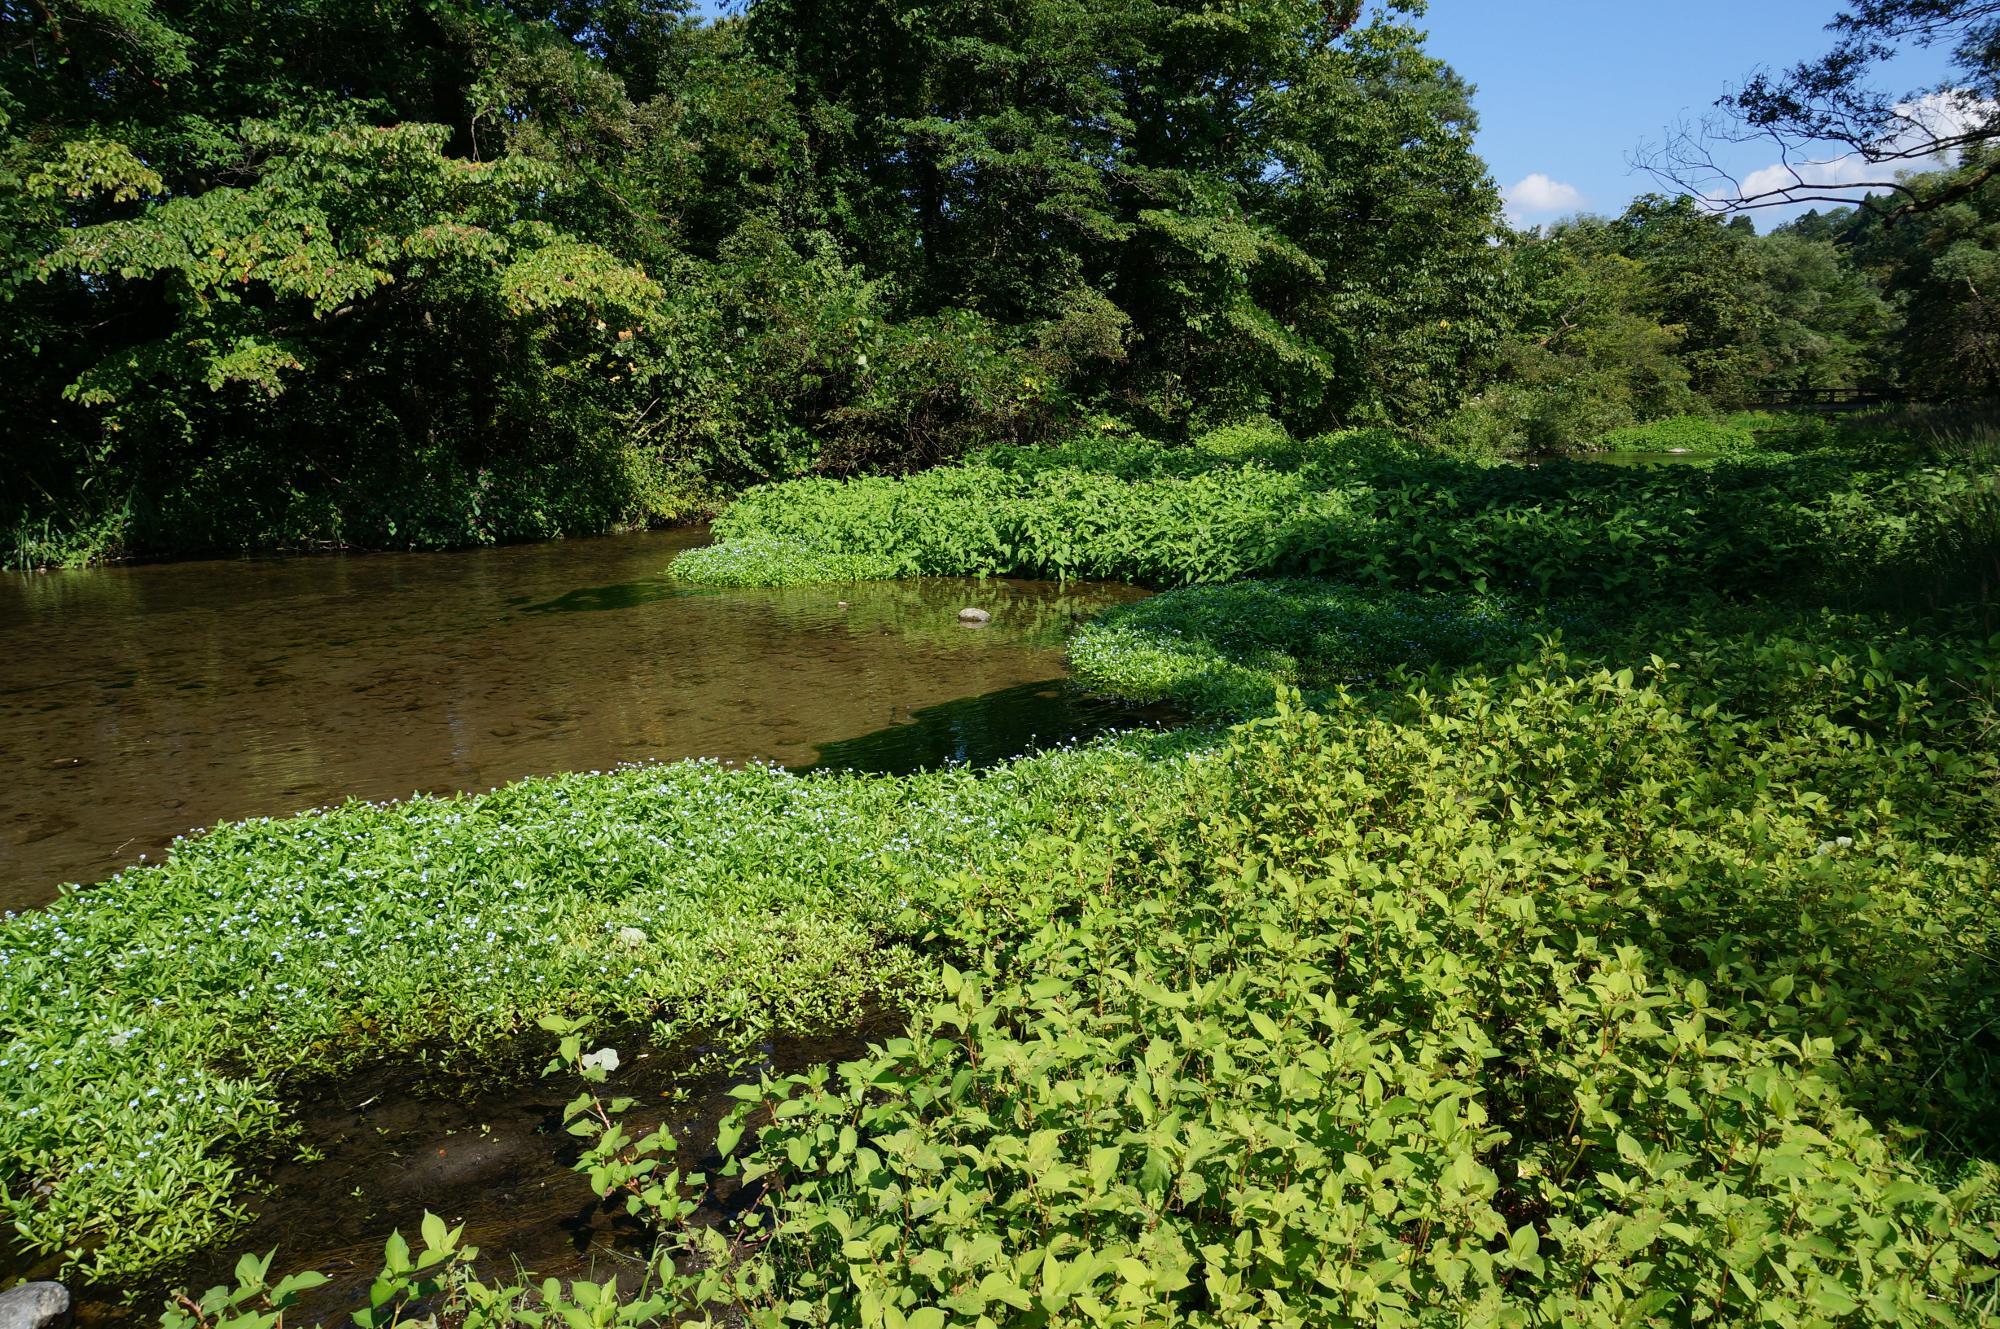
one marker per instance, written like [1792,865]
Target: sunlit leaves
[87,167]
[1484,1003]
[340,938]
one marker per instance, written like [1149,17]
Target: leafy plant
[1343,1030]
[1563,992]
[1229,649]
[1683,433]
[777,561]
[1359,508]
[440,928]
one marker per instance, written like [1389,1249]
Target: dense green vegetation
[1847,509]
[1608,926]
[155,1024]
[1552,992]
[304,275]
[1229,649]
[1590,915]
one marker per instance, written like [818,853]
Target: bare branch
[1834,137]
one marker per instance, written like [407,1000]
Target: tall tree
[1941,268]
[1281,198]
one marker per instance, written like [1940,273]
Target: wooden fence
[1822,399]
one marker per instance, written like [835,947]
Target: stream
[139,702]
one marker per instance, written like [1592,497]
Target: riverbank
[1590,909]
[1561,987]
[428,498]
[141,701]
[1853,514]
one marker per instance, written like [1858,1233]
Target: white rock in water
[35,1306]
[974,616]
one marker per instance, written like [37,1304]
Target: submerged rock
[974,616]
[35,1306]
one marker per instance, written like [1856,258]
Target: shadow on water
[377,1151]
[140,701]
[621,595]
[987,730]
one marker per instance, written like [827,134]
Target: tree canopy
[282,272]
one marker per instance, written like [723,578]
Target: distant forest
[293,273]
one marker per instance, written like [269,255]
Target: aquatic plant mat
[152,1022]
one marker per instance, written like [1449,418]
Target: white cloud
[1833,174]
[1539,196]
[1937,115]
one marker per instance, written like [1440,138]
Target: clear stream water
[138,702]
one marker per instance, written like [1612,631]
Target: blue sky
[1567,89]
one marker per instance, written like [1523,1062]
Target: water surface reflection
[137,702]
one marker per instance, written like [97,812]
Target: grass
[81,540]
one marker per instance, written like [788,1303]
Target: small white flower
[604,1059]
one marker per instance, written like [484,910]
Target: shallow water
[139,702]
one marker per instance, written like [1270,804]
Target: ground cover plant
[776,560]
[1683,433]
[1609,933]
[1357,508]
[1229,649]
[1557,993]
[152,1022]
